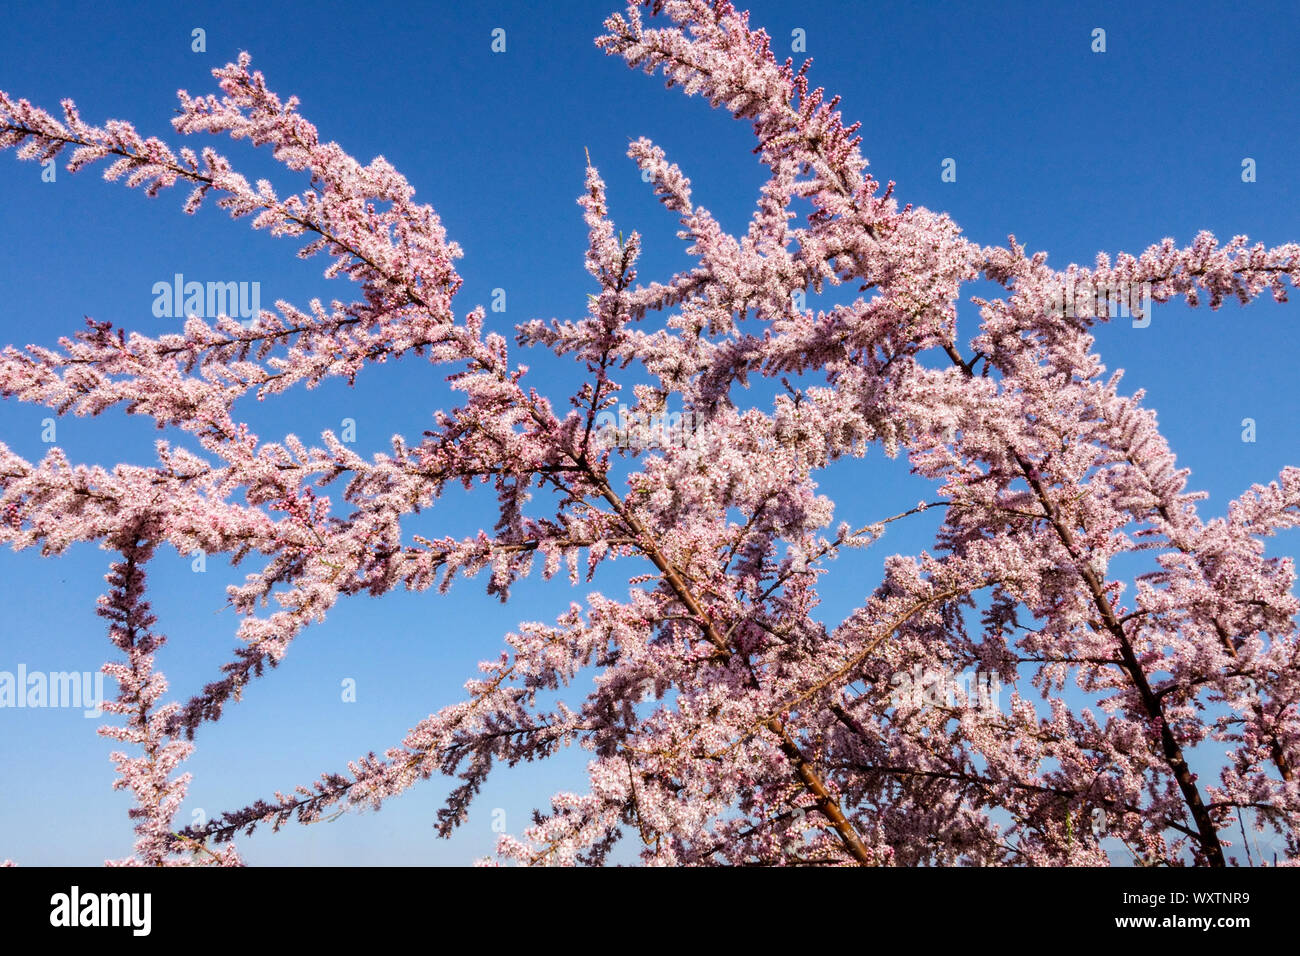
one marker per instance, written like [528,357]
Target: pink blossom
[725,723]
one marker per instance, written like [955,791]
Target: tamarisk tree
[727,724]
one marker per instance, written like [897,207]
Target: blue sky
[1073,151]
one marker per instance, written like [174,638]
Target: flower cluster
[726,723]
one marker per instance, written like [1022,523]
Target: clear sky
[1073,151]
